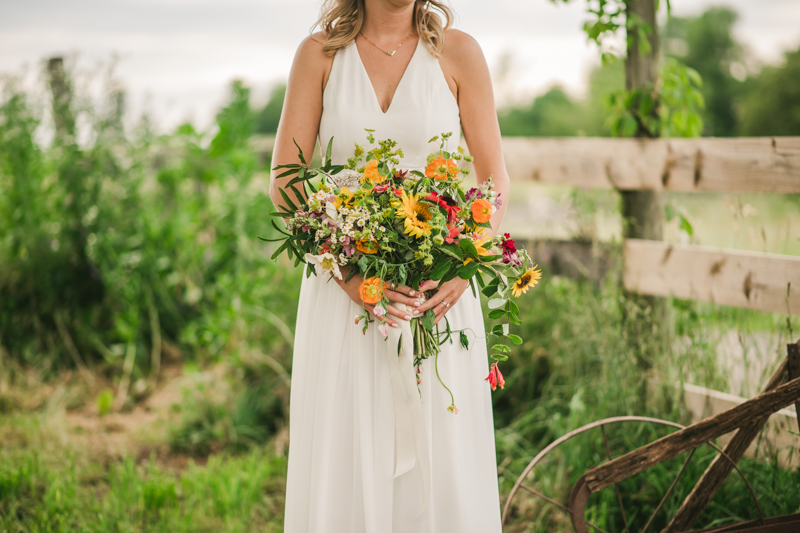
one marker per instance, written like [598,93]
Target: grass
[46,488]
[207,473]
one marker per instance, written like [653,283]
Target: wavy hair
[341,21]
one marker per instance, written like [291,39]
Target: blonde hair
[341,21]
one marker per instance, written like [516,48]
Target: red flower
[495,378]
[445,202]
[401,174]
[380,188]
[509,246]
[398,192]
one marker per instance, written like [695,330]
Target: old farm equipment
[747,420]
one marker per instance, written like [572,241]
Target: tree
[772,104]
[707,45]
[268,118]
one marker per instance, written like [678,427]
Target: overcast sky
[180,54]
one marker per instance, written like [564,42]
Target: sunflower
[526,281]
[417,216]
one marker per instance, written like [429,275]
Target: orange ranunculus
[371,174]
[441,169]
[481,211]
[371,290]
[368,247]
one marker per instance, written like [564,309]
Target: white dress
[342,415]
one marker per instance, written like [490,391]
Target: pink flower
[381,188]
[384,329]
[453,409]
[453,237]
[379,311]
[495,378]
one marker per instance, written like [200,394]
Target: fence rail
[750,164]
[754,280]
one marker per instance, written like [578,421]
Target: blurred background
[146,333]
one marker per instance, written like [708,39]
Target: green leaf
[496,303]
[501,348]
[427,319]
[441,268]
[499,357]
[686,226]
[496,313]
[516,339]
[468,248]
[467,271]
[464,340]
[299,152]
[328,151]
[513,307]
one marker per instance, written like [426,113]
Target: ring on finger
[445,303]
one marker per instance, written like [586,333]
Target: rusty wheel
[575,509]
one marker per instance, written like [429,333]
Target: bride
[396,67]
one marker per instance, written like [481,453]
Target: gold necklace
[390,54]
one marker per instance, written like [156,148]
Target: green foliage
[606,19]
[706,44]
[270,115]
[670,110]
[772,104]
[554,114]
[124,242]
[228,494]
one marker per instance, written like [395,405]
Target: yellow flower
[526,281]
[347,194]
[416,215]
[479,246]
[371,174]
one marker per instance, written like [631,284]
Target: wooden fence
[753,280]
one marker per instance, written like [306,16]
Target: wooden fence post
[642,209]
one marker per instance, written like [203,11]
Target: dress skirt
[342,428]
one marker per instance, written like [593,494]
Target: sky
[176,57]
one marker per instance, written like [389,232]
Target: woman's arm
[302,110]
[465,69]
[300,118]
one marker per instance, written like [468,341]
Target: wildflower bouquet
[402,227]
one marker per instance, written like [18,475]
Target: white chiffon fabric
[342,426]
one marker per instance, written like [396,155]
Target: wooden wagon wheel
[580,496]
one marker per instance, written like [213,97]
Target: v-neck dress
[341,474]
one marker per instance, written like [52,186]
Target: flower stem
[436,367]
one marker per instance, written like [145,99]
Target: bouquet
[401,227]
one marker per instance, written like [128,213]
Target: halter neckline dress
[342,452]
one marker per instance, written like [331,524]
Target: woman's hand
[444,299]
[400,294]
